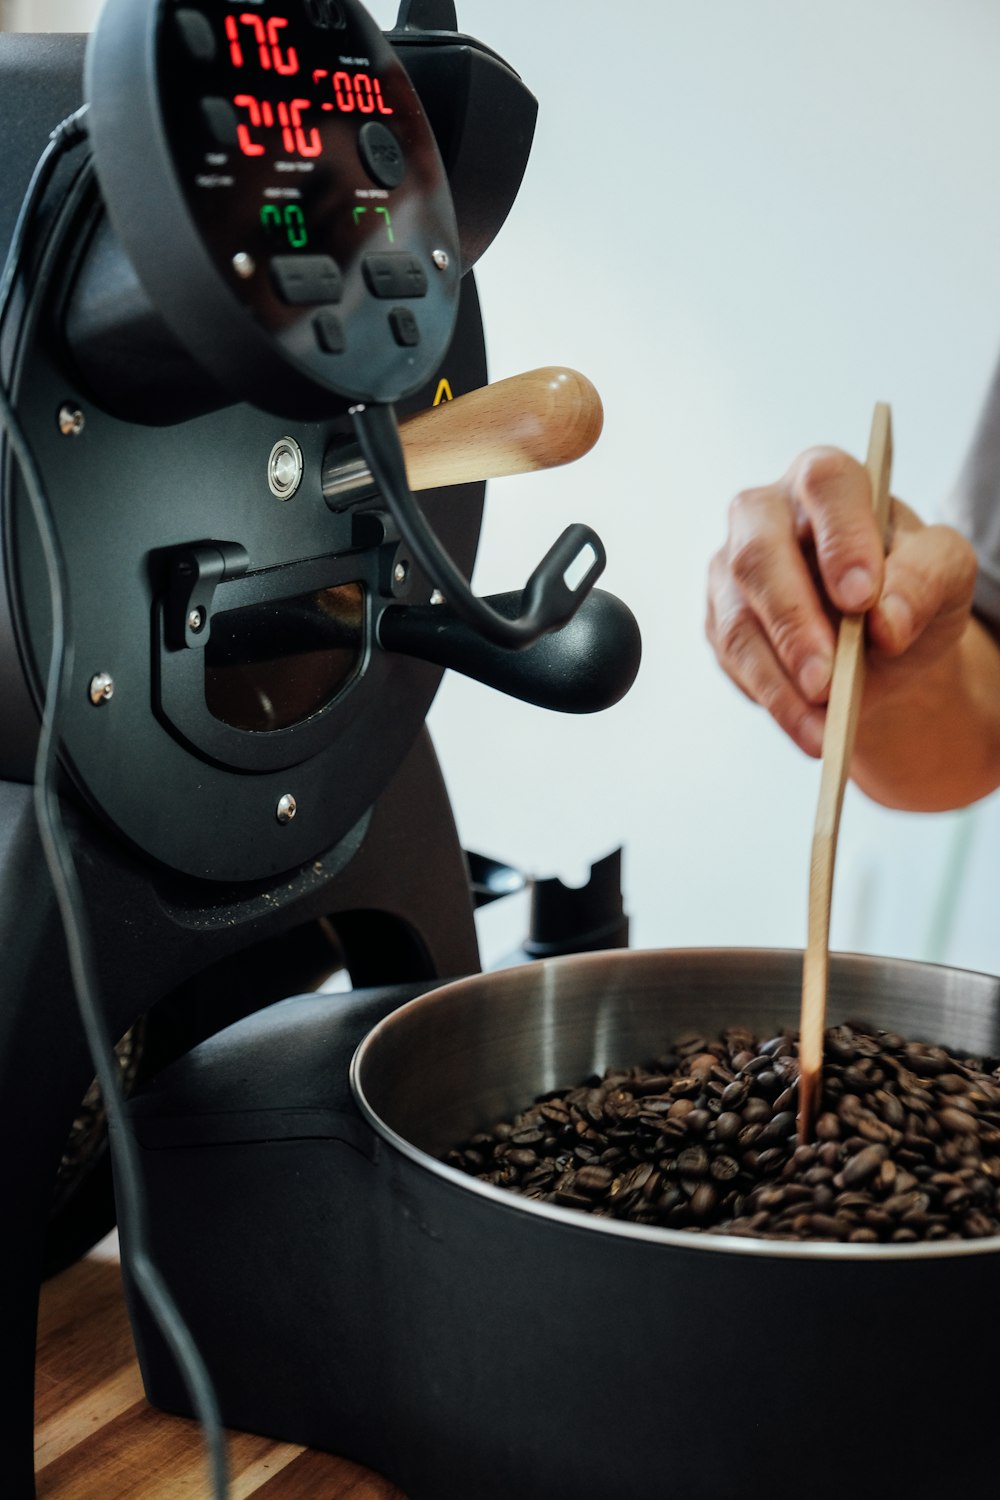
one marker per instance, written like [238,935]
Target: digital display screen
[281,127]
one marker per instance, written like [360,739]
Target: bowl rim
[694,1241]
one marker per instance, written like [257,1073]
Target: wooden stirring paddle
[838,746]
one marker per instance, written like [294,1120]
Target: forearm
[933,742]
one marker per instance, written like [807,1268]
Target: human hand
[801,551]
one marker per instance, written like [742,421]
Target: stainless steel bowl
[476,1051]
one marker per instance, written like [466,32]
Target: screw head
[286,809]
[71,420]
[284,468]
[196,619]
[400,572]
[244,265]
[441,259]
[102,688]
[437,597]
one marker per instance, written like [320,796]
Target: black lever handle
[582,668]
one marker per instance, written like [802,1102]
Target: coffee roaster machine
[241,298]
[240,287]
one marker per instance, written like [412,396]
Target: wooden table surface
[97,1438]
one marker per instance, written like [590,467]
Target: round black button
[381,154]
[196,33]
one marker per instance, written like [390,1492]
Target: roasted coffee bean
[735,1093]
[657,1083]
[957,1120]
[691,1041]
[779,1127]
[872,1129]
[693,1161]
[724,1168]
[728,1125]
[865,1164]
[825,1226]
[703,1201]
[885,1177]
[651,1187]
[770,1158]
[594,1179]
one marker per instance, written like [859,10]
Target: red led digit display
[352,91]
[296,139]
[284,62]
[265,34]
[248,146]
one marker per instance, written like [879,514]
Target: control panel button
[395,274]
[326,14]
[405,329]
[195,31]
[220,121]
[381,154]
[329,332]
[304,279]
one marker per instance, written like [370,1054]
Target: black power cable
[59,858]
[549,599]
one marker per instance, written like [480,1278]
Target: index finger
[831,492]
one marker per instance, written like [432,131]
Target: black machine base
[190,957]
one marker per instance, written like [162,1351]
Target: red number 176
[265,34]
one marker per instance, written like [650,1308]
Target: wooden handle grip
[537,420]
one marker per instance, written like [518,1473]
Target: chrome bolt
[437,597]
[196,619]
[441,259]
[102,688]
[399,572]
[244,265]
[71,420]
[284,468]
[286,809]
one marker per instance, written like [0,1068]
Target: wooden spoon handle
[838,746]
[537,420]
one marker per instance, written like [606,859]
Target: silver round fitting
[196,619]
[286,809]
[284,468]
[102,688]
[400,572]
[441,259]
[437,597]
[244,265]
[71,420]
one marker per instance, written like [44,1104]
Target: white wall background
[746,221]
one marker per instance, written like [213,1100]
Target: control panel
[275,183]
